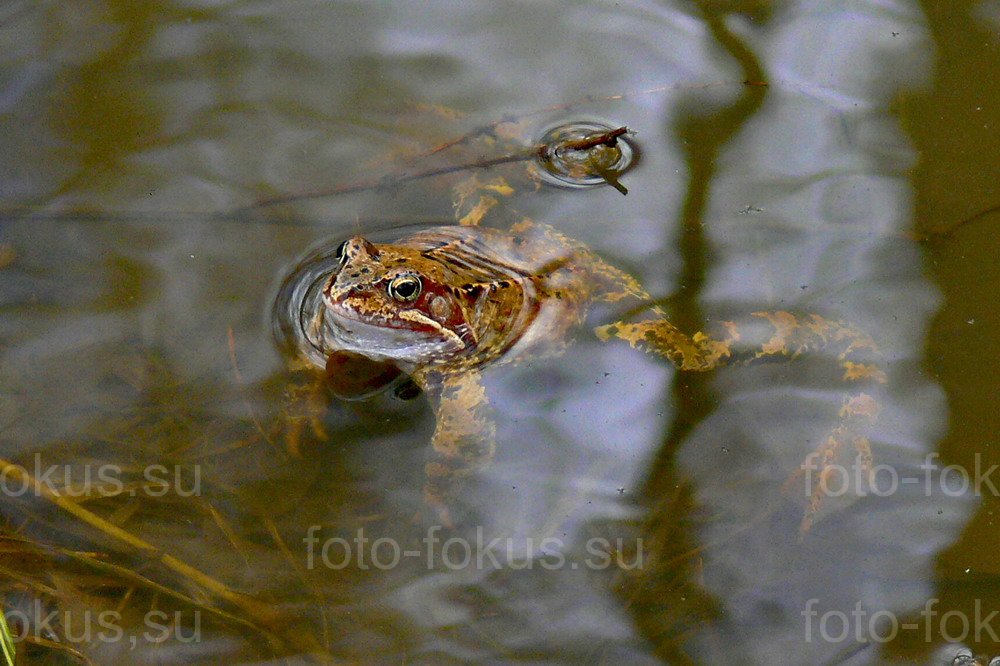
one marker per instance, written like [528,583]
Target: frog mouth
[412,321]
[342,312]
[412,337]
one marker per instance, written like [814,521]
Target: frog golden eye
[405,288]
[340,254]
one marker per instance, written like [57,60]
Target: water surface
[633,512]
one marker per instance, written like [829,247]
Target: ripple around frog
[599,165]
[298,296]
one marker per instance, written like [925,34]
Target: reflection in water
[116,343]
[805,210]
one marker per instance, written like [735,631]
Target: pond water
[167,164]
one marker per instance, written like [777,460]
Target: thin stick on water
[540,151]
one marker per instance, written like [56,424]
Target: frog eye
[404,288]
[340,254]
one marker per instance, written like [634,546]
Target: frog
[443,305]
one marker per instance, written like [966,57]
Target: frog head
[392,302]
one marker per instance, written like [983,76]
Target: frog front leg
[306,400]
[464,434]
[786,336]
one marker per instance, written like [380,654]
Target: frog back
[523,290]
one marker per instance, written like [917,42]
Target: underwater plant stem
[251,606]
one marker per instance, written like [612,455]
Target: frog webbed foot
[858,412]
[464,436]
[860,362]
[774,336]
[346,376]
[306,401]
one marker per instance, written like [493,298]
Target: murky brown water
[633,513]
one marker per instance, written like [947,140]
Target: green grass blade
[6,640]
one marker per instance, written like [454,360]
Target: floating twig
[948,232]
[541,151]
[609,138]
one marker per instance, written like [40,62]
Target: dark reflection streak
[100,111]
[668,597]
[703,137]
[956,174]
